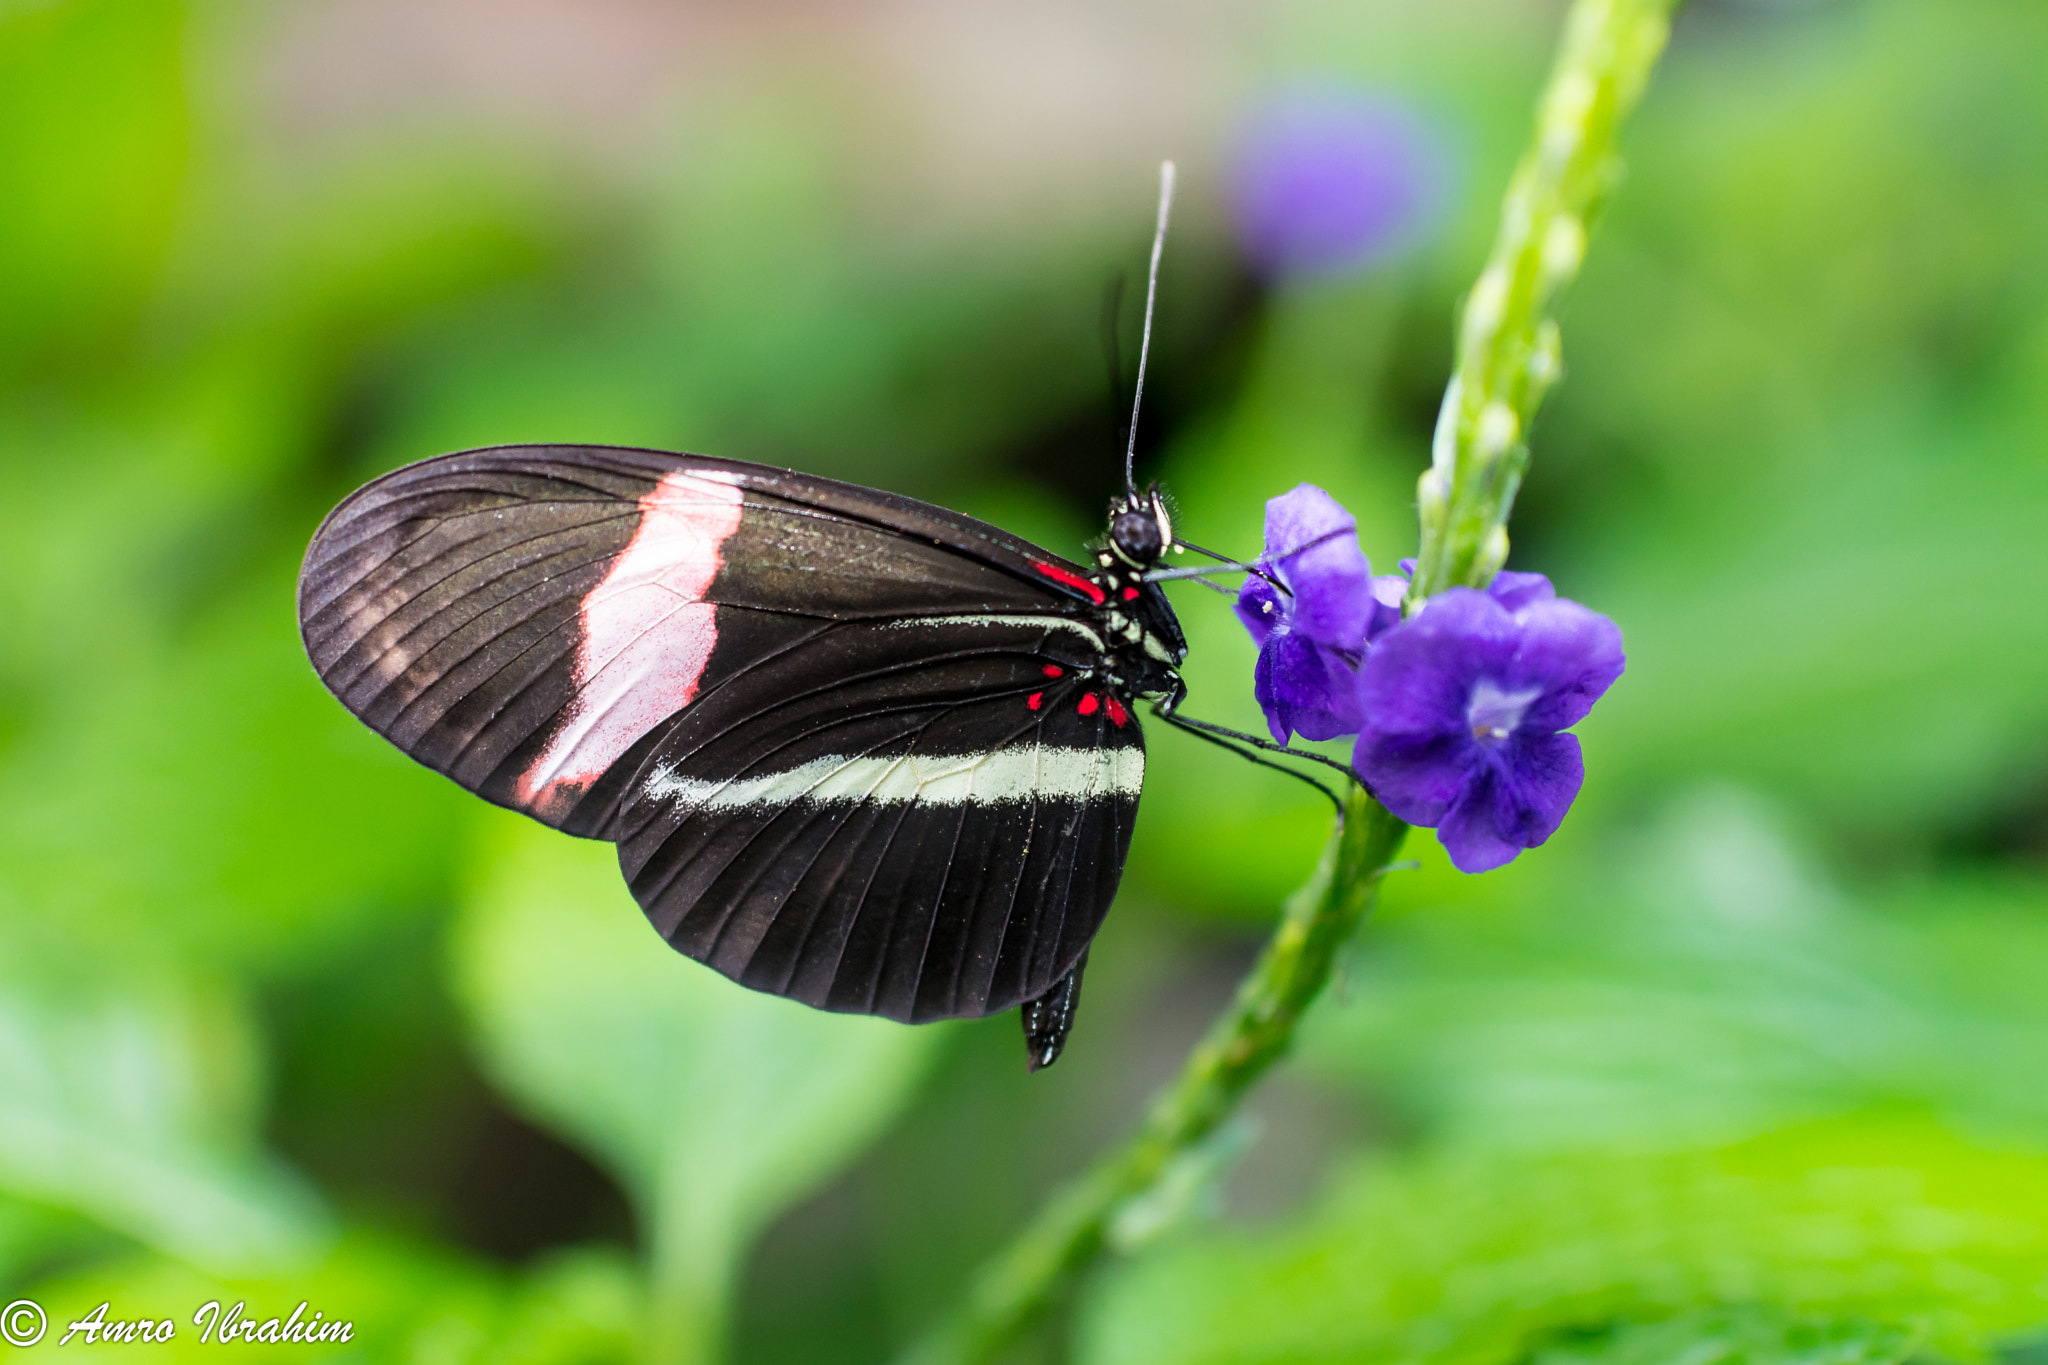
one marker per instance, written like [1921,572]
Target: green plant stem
[1508,352]
[1507,358]
[691,1255]
[1075,1227]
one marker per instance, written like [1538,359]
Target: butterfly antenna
[1229,565]
[1145,337]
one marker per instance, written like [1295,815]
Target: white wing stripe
[1047,622]
[933,779]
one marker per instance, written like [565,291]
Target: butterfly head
[1140,531]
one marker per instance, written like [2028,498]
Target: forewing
[526,618]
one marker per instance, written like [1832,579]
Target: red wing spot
[1054,671]
[1130,594]
[1035,700]
[1089,703]
[1116,711]
[1072,580]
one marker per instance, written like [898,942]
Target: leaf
[716,1106]
[1481,1257]
[132,1103]
[35,1234]
[1697,985]
[1733,1336]
[209,801]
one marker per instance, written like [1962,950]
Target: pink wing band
[647,636]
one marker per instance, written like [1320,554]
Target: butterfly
[854,749]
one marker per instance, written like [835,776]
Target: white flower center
[1494,711]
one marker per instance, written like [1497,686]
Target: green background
[1746,1064]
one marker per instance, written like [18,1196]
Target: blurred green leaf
[1481,1257]
[209,801]
[1702,982]
[1741,612]
[1733,1336]
[36,1234]
[132,1102]
[405,1304]
[716,1106]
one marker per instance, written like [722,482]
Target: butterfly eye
[1135,533]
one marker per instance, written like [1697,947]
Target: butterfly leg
[1225,738]
[1047,1019]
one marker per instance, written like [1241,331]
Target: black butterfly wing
[581,633]
[910,820]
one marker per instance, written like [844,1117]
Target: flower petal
[1417,777]
[1304,689]
[1312,547]
[1470,829]
[1303,515]
[1548,771]
[1418,676]
[1573,653]
[1517,590]
[1260,606]
[1516,803]
[1389,591]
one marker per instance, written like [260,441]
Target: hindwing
[909,819]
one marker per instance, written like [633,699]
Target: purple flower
[1458,710]
[1326,181]
[1462,705]
[1312,629]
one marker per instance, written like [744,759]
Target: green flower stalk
[1507,358]
[1509,352]
[1083,1220]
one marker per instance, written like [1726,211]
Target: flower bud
[1546,360]
[1497,429]
[1564,247]
[1432,496]
[1493,552]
